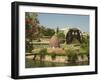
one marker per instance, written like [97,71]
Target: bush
[28,46]
[72,56]
[53,55]
[61,35]
[42,53]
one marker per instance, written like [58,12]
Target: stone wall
[62,59]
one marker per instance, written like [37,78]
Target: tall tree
[32,24]
[57,30]
[31,29]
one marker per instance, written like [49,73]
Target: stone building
[54,42]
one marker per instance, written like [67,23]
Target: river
[29,63]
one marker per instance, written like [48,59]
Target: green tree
[57,30]
[31,24]
[44,31]
[49,32]
[42,53]
[85,43]
[61,35]
[72,56]
[31,29]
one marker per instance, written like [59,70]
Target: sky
[64,21]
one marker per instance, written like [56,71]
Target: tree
[49,32]
[31,24]
[72,55]
[61,35]
[57,30]
[31,29]
[46,31]
[85,44]
[42,53]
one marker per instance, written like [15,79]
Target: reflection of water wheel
[73,34]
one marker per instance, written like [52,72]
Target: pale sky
[64,21]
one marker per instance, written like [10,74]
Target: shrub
[72,56]
[42,53]
[28,46]
[53,55]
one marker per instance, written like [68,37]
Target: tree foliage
[61,35]
[31,24]
[31,29]
[44,31]
[72,55]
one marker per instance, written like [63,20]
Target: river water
[29,63]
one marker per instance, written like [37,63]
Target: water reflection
[32,64]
